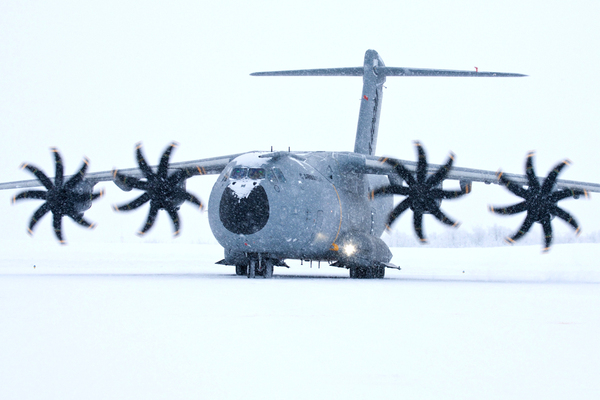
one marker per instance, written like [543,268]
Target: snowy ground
[157,321]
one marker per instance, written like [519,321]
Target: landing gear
[367,272]
[257,267]
[241,270]
[268,269]
[252,269]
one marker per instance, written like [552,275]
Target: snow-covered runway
[152,321]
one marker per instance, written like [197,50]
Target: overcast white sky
[95,78]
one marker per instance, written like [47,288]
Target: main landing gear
[377,272]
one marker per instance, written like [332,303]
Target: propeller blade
[40,212]
[150,221]
[193,199]
[566,193]
[143,199]
[568,218]
[146,170]
[58,227]
[78,177]
[516,189]
[398,210]
[530,172]
[58,176]
[442,172]
[30,194]
[164,161]
[82,221]
[175,219]
[130,181]
[550,180]
[547,226]
[437,213]
[44,180]
[418,226]
[527,223]
[514,209]
[421,162]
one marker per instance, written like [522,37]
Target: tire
[268,269]
[252,269]
[241,270]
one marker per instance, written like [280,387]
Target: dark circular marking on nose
[244,216]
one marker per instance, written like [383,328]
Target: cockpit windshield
[256,173]
[239,173]
[251,173]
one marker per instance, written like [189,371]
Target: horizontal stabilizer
[394,71]
[353,71]
[387,71]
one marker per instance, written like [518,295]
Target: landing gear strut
[257,267]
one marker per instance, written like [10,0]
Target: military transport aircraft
[267,207]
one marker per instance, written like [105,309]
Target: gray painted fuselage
[318,205]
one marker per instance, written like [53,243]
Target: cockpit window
[256,173]
[271,176]
[239,173]
[279,175]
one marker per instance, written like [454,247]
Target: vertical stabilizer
[374,73]
[370,104]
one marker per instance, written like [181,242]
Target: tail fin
[374,73]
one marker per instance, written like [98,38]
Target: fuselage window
[256,173]
[239,173]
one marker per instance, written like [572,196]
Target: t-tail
[374,73]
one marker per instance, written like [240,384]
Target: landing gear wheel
[268,269]
[252,269]
[358,272]
[241,270]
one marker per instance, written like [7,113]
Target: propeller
[423,193]
[163,191]
[539,201]
[70,198]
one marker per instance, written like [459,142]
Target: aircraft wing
[375,165]
[206,166]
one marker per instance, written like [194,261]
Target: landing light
[349,249]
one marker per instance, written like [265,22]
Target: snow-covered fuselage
[309,206]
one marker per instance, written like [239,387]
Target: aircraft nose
[243,213]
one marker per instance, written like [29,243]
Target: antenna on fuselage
[374,73]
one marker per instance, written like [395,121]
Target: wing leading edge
[206,166]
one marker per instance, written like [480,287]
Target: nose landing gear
[258,266]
